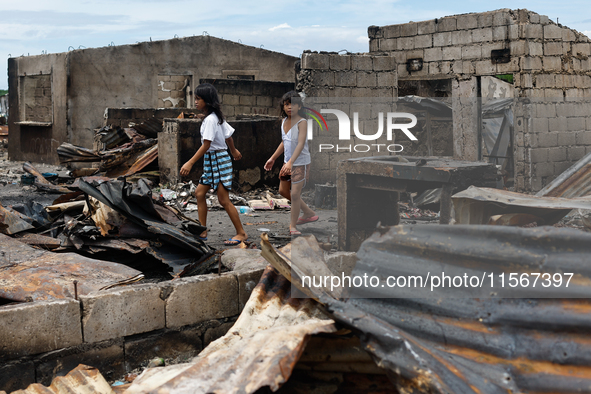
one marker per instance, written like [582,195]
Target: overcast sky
[34,27]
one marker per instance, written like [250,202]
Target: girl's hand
[186,169]
[236,154]
[286,169]
[269,164]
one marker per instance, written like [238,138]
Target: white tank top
[290,142]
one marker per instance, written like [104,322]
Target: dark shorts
[298,174]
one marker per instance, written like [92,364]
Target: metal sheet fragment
[260,350]
[446,344]
[29,274]
[574,182]
[476,205]
[81,380]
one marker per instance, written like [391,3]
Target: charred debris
[111,225]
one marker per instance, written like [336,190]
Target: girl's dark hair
[209,94]
[294,98]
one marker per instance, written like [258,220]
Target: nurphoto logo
[344,125]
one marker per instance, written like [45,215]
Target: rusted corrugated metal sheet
[475,345]
[476,205]
[33,274]
[574,182]
[71,153]
[81,380]
[113,158]
[149,128]
[12,222]
[261,349]
[143,160]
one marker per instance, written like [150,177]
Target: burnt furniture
[368,189]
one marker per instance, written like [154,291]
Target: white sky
[34,27]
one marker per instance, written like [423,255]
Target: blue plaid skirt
[217,168]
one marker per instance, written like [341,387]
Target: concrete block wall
[173,91]
[256,138]
[36,98]
[342,80]
[123,117]
[117,330]
[550,136]
[250,97]
[549,62]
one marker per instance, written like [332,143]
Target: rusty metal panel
[12,222]
[71,153]
[81,380]
[574,182]
[29,274]
[447,344]
[476,205]
[261,349]
[149,128]
[143,160]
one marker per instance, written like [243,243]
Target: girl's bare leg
[200,194]
[224,199]
[285,191]
[296,204]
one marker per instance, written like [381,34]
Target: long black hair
[209,94]
[294,98]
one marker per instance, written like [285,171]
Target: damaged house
[63,97]
[542,67]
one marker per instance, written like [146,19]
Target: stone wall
[240,97]
[344,81]
[118,330]
[122,117]
[549,63]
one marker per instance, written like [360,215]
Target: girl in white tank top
[296,168]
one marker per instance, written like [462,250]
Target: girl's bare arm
[186,168]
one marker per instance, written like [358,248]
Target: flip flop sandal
[307,220]
[232,241]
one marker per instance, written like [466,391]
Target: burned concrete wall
[255,138]
[347,77]
[546,62]
[88,81]
[250,97]
[37,118]
[123,117]
[118,330]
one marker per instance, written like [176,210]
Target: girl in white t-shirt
[296,168]
[216,136]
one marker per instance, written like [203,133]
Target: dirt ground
[274,222]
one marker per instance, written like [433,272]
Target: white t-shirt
[217,133]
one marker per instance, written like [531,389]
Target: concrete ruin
[460,57]
[62,97]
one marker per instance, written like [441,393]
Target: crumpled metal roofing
[149,128]
[261,349]
[71,153]
[475,345]
[29,274]
[476,205]
[81,380]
